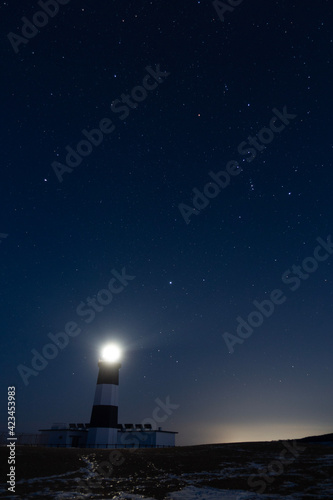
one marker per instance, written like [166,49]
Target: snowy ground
[209,472]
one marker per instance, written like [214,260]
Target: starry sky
[241,93]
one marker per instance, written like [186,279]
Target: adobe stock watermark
[30,29]
[105,470]
[249,148]
[3,236]
[86,309]
[276,467]
[223,7]
[293,277]
[121,107]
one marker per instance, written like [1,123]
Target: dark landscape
[237,471]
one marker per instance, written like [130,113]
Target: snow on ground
[193,493]
[194,485]
[188,493]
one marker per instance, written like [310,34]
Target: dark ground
[156,472]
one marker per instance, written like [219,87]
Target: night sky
[247,99]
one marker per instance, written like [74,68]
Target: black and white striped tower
[103,429]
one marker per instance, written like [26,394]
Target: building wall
[64,438]
[136,439]
[143,439]
[165,439]
[68,438]
[102,437]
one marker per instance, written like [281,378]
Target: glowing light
[111,353]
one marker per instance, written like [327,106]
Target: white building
[128,436]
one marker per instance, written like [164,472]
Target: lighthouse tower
[103,430]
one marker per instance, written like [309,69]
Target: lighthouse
[103,427]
